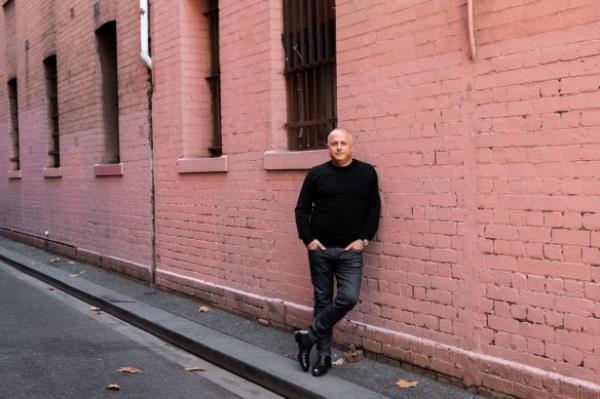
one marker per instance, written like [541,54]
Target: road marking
[213,373]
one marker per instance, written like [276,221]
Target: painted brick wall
[109,215]
[475,158]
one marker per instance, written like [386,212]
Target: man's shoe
[305,342]
[321,366]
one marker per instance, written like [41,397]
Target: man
[336,215]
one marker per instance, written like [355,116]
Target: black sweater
[338,205]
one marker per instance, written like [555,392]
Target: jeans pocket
[355,251]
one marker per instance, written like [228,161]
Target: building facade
[486,267]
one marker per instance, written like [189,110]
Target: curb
[272,371]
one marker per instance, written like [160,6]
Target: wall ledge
[294,160]
[108,169]
[52,172]
[14,174]
[202,165]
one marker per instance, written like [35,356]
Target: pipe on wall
[470,19]
[144,34]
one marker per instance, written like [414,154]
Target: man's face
[340,148]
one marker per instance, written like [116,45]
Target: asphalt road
[55,346]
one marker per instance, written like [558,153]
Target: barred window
[310,69]
[52,96]
[14,124]
[214,79]
[106,39]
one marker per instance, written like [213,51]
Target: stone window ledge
[108,169]
[52,172]
[202,165]
[14,174]
[294,160]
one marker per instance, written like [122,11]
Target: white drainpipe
[144,29]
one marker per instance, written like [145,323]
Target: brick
[574,237]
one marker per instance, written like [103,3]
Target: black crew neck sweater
[338,205]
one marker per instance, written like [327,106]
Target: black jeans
[347,267]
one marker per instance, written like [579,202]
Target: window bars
[14,123]
[52,95]
[214,79]
[310,69]
[106,39]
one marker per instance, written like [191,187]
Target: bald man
[336,216]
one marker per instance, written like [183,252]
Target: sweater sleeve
[303,210]
[373,210]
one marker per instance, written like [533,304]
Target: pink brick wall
[486,265]
[109,215]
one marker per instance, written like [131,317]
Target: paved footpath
[262,354]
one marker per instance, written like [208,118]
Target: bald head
[339,143]
[340,131]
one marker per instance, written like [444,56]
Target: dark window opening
[52,97]
[106,37]
[14,124]
[214,79]
[310,69]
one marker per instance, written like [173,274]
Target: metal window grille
[52,95]
[310,62]
[214,79]
[14,123]
[106,39]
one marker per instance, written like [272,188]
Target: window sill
[294,160]
[108,169]
[14,174]
[52,172]
[202,165]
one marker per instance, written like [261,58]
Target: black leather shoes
[305,342]
[321,366]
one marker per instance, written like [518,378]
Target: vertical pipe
[145,56]
[472,44]
[144,36]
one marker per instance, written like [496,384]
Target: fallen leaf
[196,368]
[406,384]
[203,309]
[51,289]
[95,309]
[52,260]
[74,275]
[352,356]
[263,322]
[129,370]
[113,387]
[338,362]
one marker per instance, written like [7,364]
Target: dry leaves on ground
[338,362]
[52,260]
[113,387]
[129,370]
[352,356]
[95,309]
[77,274]
[406,384]
[204,309]
[195,368]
